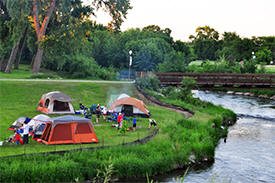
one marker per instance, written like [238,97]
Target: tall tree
[18,12]
[40,30]
[205,42]
[117,8]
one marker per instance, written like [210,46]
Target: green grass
[25,72]
[19,99]
[270,69]
[199,62]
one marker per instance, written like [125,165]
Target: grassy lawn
[270,69]
[199,62]
[19,99]
[25,72]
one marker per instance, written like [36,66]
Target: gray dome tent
[55,103]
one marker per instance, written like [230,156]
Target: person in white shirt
[26,130]
[104,111]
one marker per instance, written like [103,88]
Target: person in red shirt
[119,120]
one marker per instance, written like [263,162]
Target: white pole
[130,63]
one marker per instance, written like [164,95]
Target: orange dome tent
[129,106]
[69,130]
[55,103]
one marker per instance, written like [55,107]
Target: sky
[245,17]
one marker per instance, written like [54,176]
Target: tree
[205,42]
[40,30]
[173,62]
[18,12]
[183,47]
[263,56]
[229,46]
[148,53]
[205,33]
[117,8]
[163,33]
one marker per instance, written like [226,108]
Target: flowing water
[249,152]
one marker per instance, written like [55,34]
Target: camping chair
[114,118]
[127,119]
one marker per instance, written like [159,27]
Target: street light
[130,62]
[253,56]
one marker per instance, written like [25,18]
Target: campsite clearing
[19,99]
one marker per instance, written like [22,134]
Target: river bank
[247,155]
[260,93]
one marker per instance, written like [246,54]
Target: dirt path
[146,100]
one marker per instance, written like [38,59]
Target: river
[249,152]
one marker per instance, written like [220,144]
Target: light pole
[130,63]
[253,55]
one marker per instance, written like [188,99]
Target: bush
[44,76]
[80,66]
[249,66]
[149,81]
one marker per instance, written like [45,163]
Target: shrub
[44,76]
[149,81]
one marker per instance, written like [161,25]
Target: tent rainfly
[18,123]
[69,130]
[129,106]
[55,103]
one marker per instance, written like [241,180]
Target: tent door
[60,106]
[127,110]
[46,134]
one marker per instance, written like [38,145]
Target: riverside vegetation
[179,143]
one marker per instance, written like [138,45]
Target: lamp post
[253,55]
[130,63]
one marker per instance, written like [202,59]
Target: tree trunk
[33,57]
[37,61]
[21,48]
[12,58]
[40,31]
[2,64]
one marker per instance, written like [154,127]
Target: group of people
[152,122]
[24,130]
[119,118]
[100,110]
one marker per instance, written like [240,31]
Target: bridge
[219,79]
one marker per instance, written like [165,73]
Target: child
[134,123]
[152,122]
